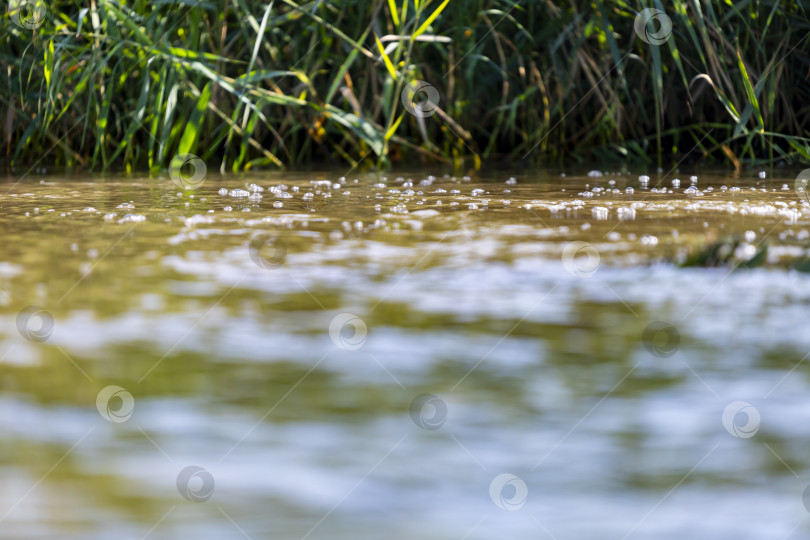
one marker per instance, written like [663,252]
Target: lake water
[403,357]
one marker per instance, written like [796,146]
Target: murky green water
[367,358]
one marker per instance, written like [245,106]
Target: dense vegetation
[108,83]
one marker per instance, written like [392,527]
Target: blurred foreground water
[410,357]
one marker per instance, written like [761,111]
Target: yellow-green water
[370,360]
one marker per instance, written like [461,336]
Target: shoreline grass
[243,84]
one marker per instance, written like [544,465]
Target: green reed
[108,84]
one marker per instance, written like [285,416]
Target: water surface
[356,356]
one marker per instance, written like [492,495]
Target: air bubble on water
[693,179]
[440,190]
[629,190]
[228,209]
[611,182]
[477,192]
[649,240]
[644,179]
[676,183]
[89,209]
[109,216]
[626,213]
[472,206]
[511,181]
[762,174]
[600,212]
[223,191]
[594,174]
[336,235]
[238,193]
[278,204]
[126,206]
[455,192]
[585,226]
[132,218]
[255,197]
